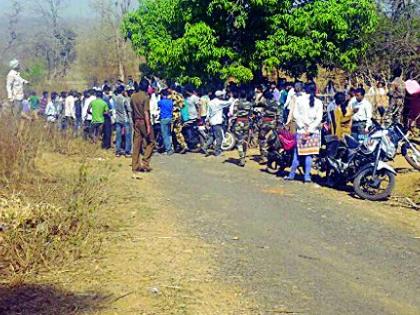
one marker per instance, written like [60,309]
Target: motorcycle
[409,149]
[229,138]
[362,163]
[281,144]
[193,136]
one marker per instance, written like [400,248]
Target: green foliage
[198,40]
[327,33]
[36,71]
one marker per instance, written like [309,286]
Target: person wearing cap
[215,119]
[14,86]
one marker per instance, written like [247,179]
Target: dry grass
[48,217]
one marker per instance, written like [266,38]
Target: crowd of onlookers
[158,115]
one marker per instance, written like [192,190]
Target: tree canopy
[198,40]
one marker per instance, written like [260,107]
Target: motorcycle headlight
[369,145]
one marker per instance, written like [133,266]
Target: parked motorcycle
[362,163]
[281,144]
[409,149]
[229,138]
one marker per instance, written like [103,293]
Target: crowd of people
[138,119]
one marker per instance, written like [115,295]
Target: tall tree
[111,14]
[197,40]
[396,42]
[13,20]
[56,42]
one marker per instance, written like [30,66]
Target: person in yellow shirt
[341,117]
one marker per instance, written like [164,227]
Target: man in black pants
[107,128]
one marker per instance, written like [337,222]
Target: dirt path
[297,247]
[201,236]
[151,263]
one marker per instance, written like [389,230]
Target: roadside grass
[48,211]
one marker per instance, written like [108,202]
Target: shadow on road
[46,300]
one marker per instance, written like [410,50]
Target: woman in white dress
[308,118]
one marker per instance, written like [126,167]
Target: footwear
[128,156]
[308,181]
[241,163]
[288,178]
[147,169]
[136,175]
[170,153]
[183,151]
[117,155]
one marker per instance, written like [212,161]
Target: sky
[74,7]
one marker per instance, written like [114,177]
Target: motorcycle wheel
[229,142]
[366,188]
[273,167]
[410,155]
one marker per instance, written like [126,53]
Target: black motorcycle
[361,163]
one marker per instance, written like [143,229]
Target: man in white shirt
[14,86]
[154,118]
[215,120]
[362,115]
[86,117]
[69,110]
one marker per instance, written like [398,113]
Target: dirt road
[297,247]
[201,236]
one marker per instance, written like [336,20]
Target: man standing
[107,127]
[215,119]
[178,101]
[143,132]
[192,102]
[14,87]
[89,97]
[269,116]
[362,117]
[43,103]
[396,97]
[69,110]
[166,107]
[98,109]
[121,123]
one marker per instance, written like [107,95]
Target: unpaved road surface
[296,247]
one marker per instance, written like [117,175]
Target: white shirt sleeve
[9,84]
[368,113]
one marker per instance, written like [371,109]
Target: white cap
[219,93]
[14,64]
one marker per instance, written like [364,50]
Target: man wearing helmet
[14,87]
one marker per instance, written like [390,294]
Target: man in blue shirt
[166,107]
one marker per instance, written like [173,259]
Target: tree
[13,21]
[56,42]
[111,14]
[198,40]
[396,42]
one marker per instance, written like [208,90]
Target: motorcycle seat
[350,142]
[331,139]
